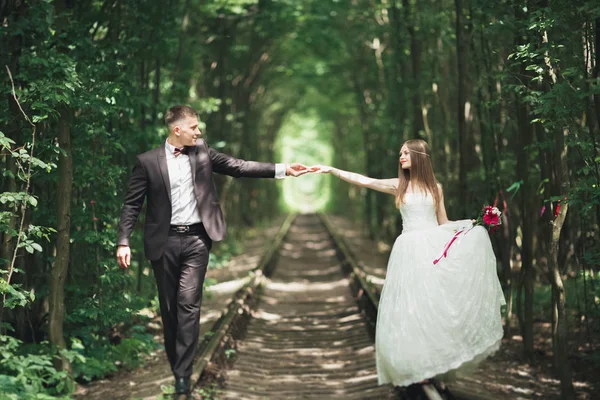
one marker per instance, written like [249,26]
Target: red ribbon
[456,235]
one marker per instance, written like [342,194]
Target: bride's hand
[321,169]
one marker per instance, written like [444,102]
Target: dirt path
[307,339]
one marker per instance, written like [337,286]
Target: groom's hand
[296,169]
[123,256]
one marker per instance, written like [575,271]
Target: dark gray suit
[179,262]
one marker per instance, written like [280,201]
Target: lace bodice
[418,212]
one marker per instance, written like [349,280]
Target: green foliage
[229,353]
[103,359]
[16,296]
[27,373]
[208,393]
[225,251]
[15,203]
[98,319]
[578,293]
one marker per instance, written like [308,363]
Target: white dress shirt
[184,207]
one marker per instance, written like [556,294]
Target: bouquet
[489,217]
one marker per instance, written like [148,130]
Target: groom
[183,218]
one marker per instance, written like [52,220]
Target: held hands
[322,169]
[297,169]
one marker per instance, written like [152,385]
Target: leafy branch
[27,178]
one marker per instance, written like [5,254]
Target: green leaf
[39,118]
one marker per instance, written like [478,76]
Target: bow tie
[179,151]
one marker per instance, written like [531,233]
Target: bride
[433,318]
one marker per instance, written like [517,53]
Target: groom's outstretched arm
[228,165]
[134,200]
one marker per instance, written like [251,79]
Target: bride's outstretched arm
[381,185]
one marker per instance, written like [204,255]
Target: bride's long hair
[420,173]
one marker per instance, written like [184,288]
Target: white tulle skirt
[436,319]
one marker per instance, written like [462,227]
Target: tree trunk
[60,268]
[555,171]
[61,263]
[398,101]
[13,128]
[462,99]
[365,123]
[444,164]
[6,252]
[156,92]
[559,182]
[143,87]
[411,17]
[596,106]
[597,68]
[526,313]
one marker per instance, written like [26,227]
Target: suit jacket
[150,179]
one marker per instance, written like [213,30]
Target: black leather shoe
[182,385]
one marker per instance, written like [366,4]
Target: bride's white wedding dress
[434,319]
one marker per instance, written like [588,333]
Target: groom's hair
[176,113]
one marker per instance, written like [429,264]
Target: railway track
[302,328]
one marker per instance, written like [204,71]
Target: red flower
[490,218]
[92,202]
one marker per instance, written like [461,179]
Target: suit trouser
[179,275]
